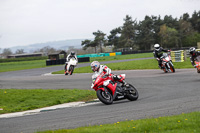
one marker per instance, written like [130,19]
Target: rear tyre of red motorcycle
[133,94]
[104,97]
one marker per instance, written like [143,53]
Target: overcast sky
[24,22]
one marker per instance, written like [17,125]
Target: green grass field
[139,64]
[16,100]
[121,57]
[23,59]
[184,123]
[21,65]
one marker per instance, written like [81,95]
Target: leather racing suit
[195,56]
[158,53]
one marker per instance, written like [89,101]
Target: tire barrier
[178,56]
[62,61]
[84,59]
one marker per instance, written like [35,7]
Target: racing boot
[125,84]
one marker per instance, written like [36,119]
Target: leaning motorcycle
[197,62]
[108,90]
[167,65]
[69,66]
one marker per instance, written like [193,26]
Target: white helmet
[157,46]
[192,50]
[95,66]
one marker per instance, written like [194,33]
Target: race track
[161,94]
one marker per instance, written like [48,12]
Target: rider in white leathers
[98,69]
[71,55]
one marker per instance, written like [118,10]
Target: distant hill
[63,44]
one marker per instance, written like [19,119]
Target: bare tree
[19,51]
[6,52]
[46,50]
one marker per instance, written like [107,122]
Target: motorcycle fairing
[112,88]
[197,64]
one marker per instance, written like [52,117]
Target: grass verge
[184,123]
[23,59]
[21,65]
[121,57]
[15,100]
[132,65]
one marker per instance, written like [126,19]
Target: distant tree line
[169,32]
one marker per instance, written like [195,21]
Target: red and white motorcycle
[167,65]
[108,90]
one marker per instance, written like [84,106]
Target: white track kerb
[37,111]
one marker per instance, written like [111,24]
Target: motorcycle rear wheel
[132,93]
[104,97]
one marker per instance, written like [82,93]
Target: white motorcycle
[167,65]
[69,66]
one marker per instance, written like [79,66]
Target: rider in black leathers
[158,52]
[194,55]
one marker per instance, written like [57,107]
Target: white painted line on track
[37,111]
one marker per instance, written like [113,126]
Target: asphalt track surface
[160,94]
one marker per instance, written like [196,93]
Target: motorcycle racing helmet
[95,66]
[192,50]
[157,47]
[72,53]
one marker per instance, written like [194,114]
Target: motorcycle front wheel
[132,93]
[198,70]
[104,97]
[71,70]
[171,67]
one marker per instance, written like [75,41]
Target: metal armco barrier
[177,56]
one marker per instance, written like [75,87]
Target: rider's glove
[116,77]
[195,66]
[157,59]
